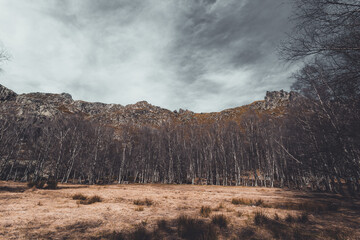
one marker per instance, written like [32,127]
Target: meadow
[157,211]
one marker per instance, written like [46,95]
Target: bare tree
[4,56]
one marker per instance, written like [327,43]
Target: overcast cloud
[203,55]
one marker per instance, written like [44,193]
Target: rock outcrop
[276,99]
[6,94]
[48,106]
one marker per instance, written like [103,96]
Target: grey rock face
[275,99]
[67,95]
[50,106]
[6,94]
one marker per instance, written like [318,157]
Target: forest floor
[174,212]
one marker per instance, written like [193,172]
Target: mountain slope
[47,105]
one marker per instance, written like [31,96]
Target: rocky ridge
[48,105]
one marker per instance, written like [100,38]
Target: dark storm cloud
[228,37]
[204,55]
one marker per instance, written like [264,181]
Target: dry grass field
[173,212]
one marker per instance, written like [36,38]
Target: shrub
[191,228]
[260,218]
[259,202]
[146,201]
[79,196]
[94,199]
[220,220]
[38,184]
[51,184]
[250,202]
[91,200]
[30,184]
[205,211]
[243,201]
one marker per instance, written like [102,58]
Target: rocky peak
[140,105]
[275,99]
[6,94]
[186,111]
[49,105]
[66,95]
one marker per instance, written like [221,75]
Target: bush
[259,202]
[146,201]
[38,184]
[51,184]
[243,201]
[91,200]
[220,220]
[79,196]
[250,202]
[94,199]
[205,211]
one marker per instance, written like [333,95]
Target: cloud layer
[204,55]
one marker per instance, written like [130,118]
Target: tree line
[295,151]
[316,144]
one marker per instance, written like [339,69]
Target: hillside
[48,106]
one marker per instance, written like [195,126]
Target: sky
[201,55]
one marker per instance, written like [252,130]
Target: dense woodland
[316,144]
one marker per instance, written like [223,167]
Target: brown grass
[79,196]
[53,214]
[146,201]
[205,211]
[139,209]
[220,220]
[249,202]
[219,207]
[241,201]
[90,200]
[193,228]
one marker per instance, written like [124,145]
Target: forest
[315,145]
